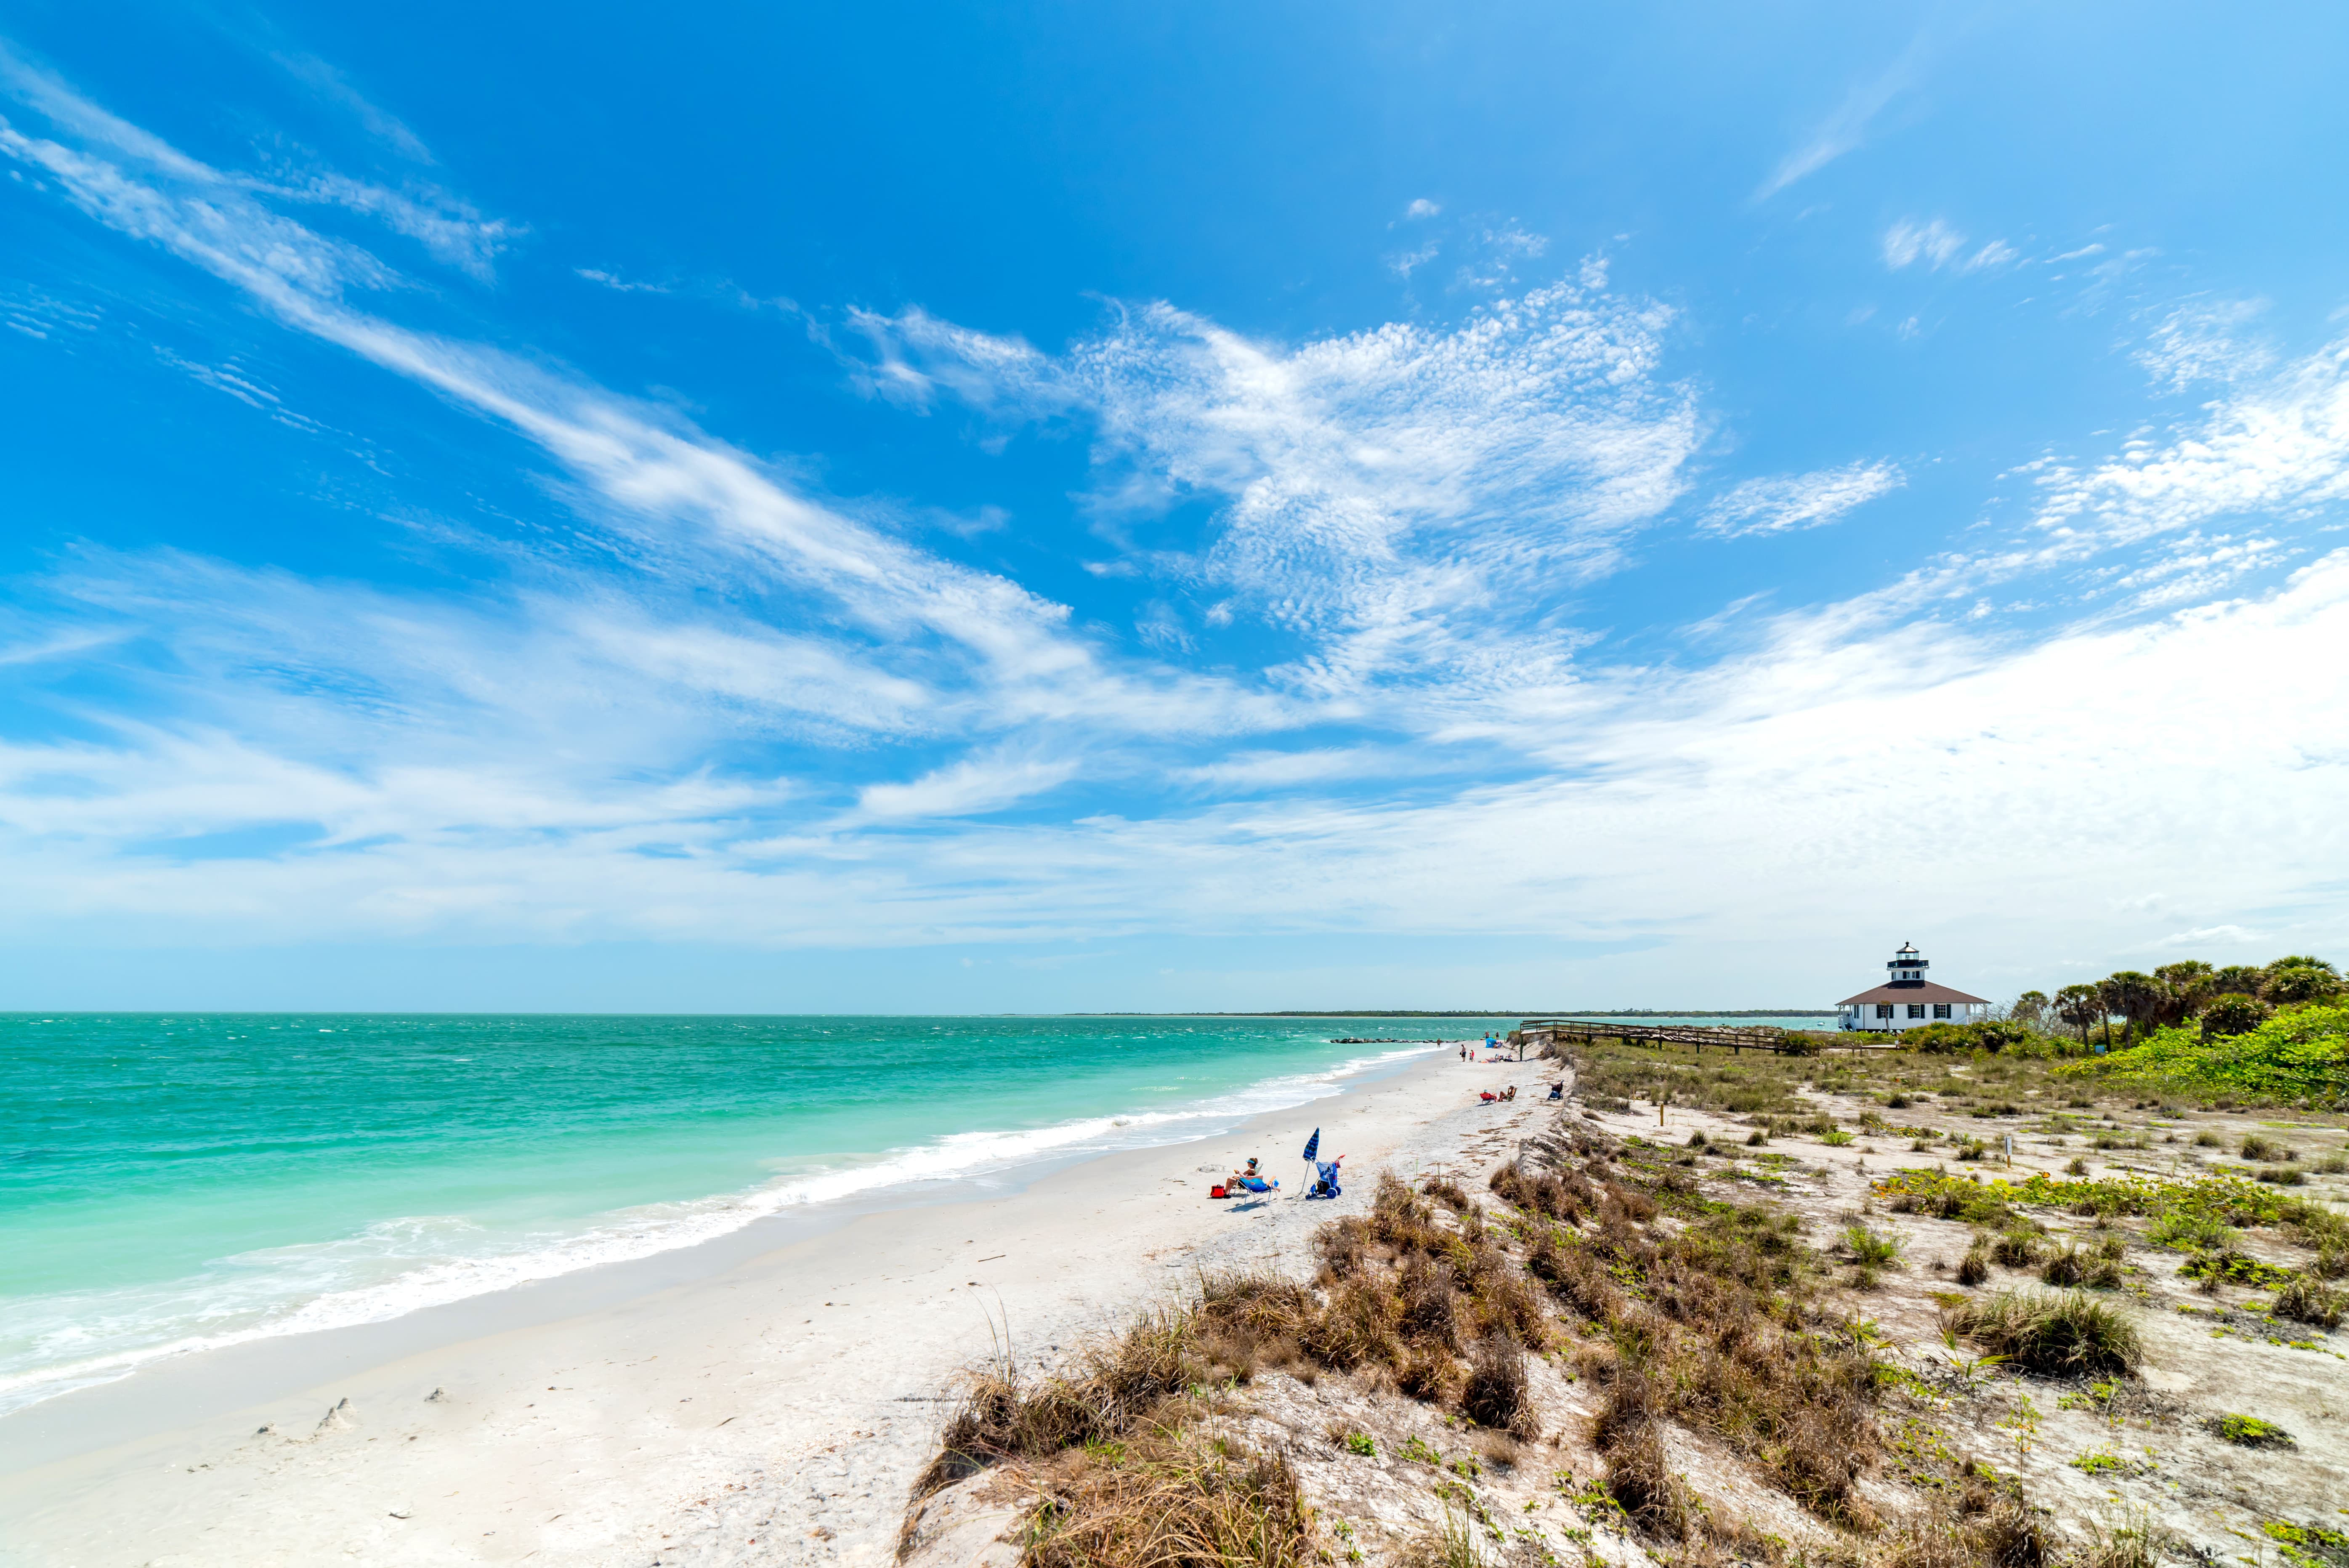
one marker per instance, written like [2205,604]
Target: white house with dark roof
[1907,1000]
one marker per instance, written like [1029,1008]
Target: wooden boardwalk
[1733,1038]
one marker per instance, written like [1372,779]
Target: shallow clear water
[168,1182]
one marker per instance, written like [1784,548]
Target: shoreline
[261,1448]
[941,1166]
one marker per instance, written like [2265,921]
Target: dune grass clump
[1006,1416]
[2311,1300]
[1980,1522]
[2098,1267]
[1172,1498]
[2054,1333]
[2017,1247]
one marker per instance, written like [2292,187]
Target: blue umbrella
[1313,1143]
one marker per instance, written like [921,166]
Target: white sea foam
[397,1266]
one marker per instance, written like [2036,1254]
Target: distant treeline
[2234,998]
[2264,1034]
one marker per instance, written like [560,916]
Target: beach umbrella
[1313,1143]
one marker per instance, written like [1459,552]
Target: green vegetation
[2252,1432]
[2307,1545]
[2299,1055]
[2226,1200]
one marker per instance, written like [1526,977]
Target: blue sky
[1079,507]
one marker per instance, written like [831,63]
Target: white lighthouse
[1907,1000]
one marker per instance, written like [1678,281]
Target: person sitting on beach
[1250,1174]
[1557,1090]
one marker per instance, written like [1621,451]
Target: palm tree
[2238,980]
[2300,978]
[2135,996]
[2030,1009]
[2190,985]
[2081,1005]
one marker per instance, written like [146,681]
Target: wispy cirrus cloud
[1937,246]
[1846,129]
[113,156]
[2204,340]
[1379,493]
[1787,501]
[335,86]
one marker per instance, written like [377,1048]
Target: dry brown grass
[1171,1499]
[1007,1417]
[1978,1523]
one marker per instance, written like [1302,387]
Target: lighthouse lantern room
[1907,1000]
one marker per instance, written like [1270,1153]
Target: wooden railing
[1733,1038]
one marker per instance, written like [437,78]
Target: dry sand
[775,1408]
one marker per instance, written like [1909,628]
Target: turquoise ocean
[174,1182]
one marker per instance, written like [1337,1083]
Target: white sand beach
[772,1408]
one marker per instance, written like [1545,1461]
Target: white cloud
[2274,447]
[1408,261]
[1421,208]
[973,785]
[2204,341]
[1935,244]
[1380,492]
[219,209]
[1844,131]
[618,284]
[40,314]
[1788,502]
[2203,937]
[335,88]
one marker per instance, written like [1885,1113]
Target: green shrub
[1360,1443]
[2299,1054]
[1870,1250]
[2251,1431]
[2185,1233]
[2232,1015]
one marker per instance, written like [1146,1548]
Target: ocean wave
[402,1265]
